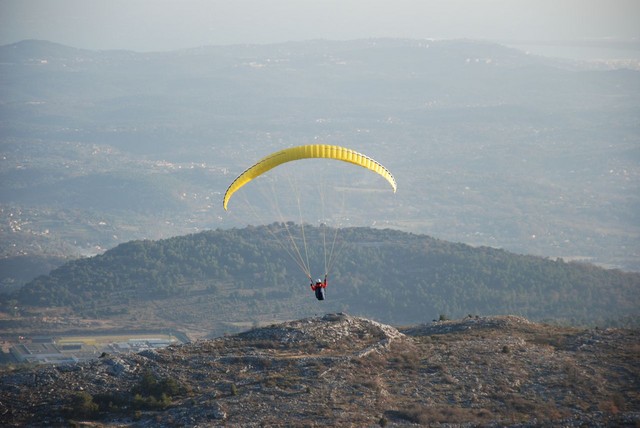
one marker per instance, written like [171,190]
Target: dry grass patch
[441,414]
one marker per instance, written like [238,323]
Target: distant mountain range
[490,146]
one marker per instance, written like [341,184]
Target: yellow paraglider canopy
[304,152]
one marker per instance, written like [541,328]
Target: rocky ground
[339,370]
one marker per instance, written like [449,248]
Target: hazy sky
[151,25]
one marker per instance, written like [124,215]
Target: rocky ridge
[340,370]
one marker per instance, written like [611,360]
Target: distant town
[72,349]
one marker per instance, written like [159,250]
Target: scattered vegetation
[153,392]
[150,393]
[426,415]
[369,378]
[83,406]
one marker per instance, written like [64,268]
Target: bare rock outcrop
[341,370]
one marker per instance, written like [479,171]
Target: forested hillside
[387,275]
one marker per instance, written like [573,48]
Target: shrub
[154,393]
[83,406]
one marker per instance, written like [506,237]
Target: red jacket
[317,285]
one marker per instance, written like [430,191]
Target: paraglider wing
[304,152]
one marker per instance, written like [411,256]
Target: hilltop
[216,282]
[341,370]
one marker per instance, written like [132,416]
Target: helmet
[318,281]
